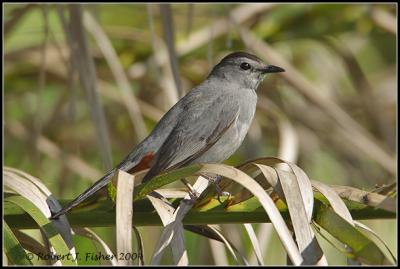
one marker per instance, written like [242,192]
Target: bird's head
[244,69]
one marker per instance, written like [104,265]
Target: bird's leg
[192,192]
[214,179]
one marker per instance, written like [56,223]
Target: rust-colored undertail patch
[143,164]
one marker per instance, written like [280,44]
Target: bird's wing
[197,130]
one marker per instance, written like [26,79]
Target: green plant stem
[102,214]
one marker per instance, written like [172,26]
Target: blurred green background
[346,51]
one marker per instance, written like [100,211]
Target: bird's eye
[245,66]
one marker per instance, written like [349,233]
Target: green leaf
[47,227]
[15,252]
[360,246]
[112,191]
[143,189]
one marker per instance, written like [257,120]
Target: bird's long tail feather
[89,192]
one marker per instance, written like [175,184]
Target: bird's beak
[272,69]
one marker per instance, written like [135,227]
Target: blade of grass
[365,197]
[13,249]
[175,226]
[35,191]
[55,238]
[38,115]
[375,235]
[363,87]
[243,13]
[334,200]
[299,215]
[30,244]
[189,18]
[228,245]
[86,232]
[168,28]
[49,148]
[140,247]
[124,214]
[118,72]
[83,62]
[164,78]
[213,233]
[27,190]
[360,247]
[16,16]
[385,20]
[166,213]
[144,189]
[255,243]
[264,234]
[218,253]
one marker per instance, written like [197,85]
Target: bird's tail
[90,191]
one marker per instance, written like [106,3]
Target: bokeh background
[69,115]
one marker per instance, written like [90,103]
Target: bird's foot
[214,179]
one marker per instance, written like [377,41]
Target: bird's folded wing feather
[198,130]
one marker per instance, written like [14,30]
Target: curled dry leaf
[368,198]
[166,213]
[300,218]
[267,203]
[175,226]
[56,240]
[37,193]
[335,201]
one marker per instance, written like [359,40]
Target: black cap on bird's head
[241,54]
[244,68]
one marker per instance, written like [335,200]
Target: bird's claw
[214,181]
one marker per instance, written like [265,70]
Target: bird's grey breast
[247,106]
[231,140]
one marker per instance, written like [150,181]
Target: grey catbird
[207,125]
